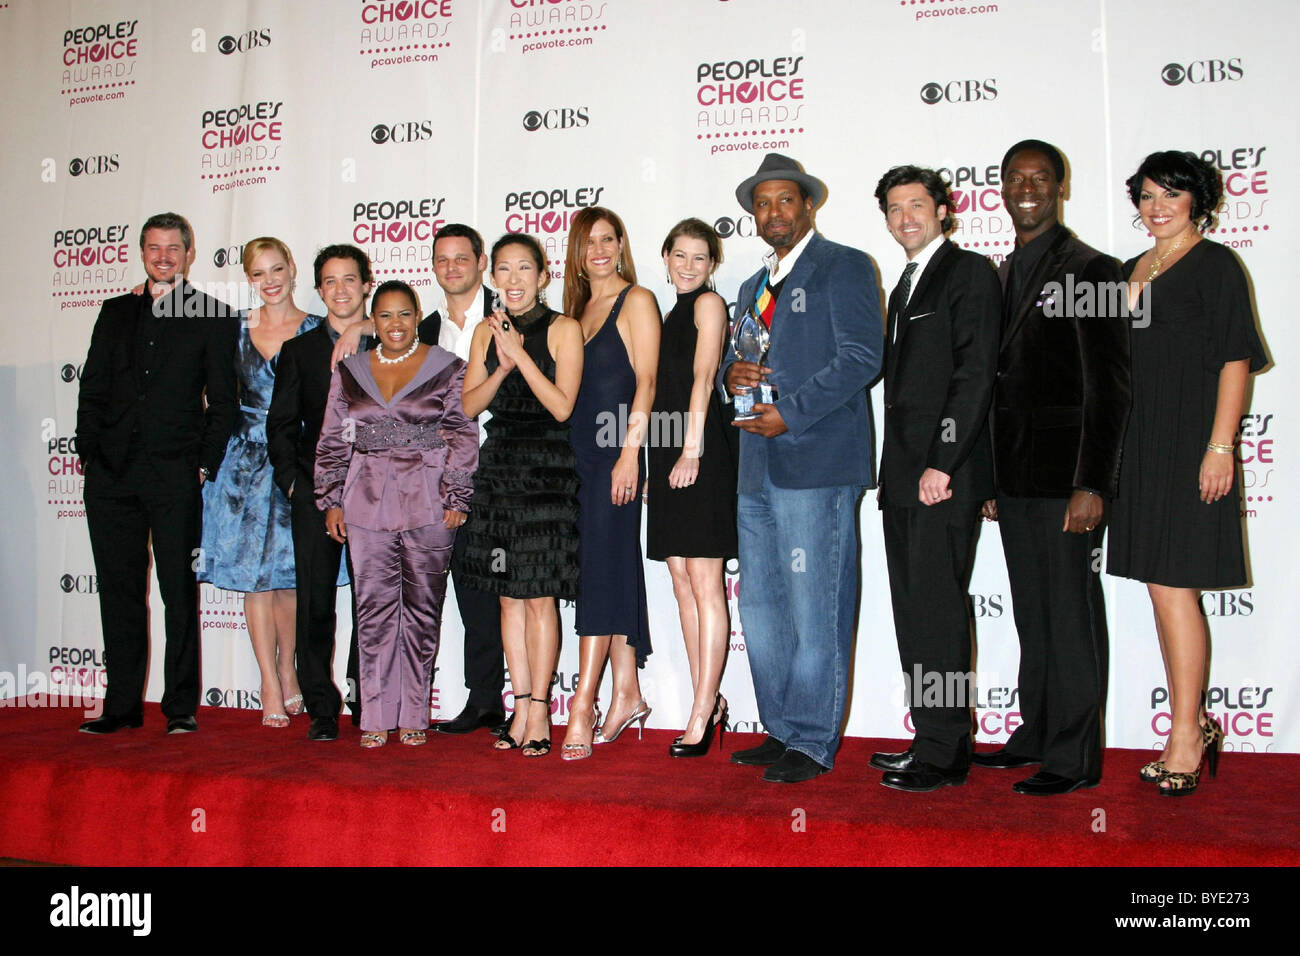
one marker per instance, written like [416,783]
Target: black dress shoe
[1044,784]
[921,777]
[109,724]
[794,767]
[883,761]
[1001,760]
[182,725]
[323,728]
[471,719]
[764,755]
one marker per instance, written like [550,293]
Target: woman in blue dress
[247,541]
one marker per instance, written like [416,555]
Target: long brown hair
[577,289]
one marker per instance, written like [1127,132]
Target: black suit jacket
[293,423]
[160,409]
[1063,393]
[939,379]
[432,324]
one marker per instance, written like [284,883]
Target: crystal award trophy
[750,341]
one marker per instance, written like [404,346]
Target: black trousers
[316,559]
[158,500]
[929,552]
[480,613]
[1061,619]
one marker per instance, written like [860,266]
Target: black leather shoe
[764,755]
[471,719]
[1001,760]
[323,728]
[883,761]
[921,777]
[794,767]
[109,724]
[1044,784]
[182,725]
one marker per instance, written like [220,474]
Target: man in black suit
[1059,414]
[936,468]
[293,424]
[458,264]
[147,445]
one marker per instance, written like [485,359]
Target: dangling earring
[669,276]
[541,296]
[618,266]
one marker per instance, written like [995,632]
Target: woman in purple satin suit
[394,471]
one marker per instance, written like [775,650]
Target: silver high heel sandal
[640,714]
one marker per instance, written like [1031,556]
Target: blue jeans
[798,606]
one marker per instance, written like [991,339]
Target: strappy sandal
[582,751]
[275,720]
[373,741]
[413,738]
[504,741]
[539,748]
[294,706]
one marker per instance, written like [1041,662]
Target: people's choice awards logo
[547,213]
[978,208]
[397,235]
[98,62]
[535,26]
[406,32]
[751,104]
[1243,214]
[240,144]
[90,261]
[1258,456]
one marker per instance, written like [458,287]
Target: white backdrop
[376,122]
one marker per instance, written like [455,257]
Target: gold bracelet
[1221,449]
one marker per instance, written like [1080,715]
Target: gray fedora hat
[776,166]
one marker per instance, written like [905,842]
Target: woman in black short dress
[1176,522]
[525,365]
[692,521]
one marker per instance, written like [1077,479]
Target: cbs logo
[1202,71]
[228,256]
[960,91]
[725,227]
[93,165]
[70,372]
[79,584]
[566,118]
[244,42]
[401,132]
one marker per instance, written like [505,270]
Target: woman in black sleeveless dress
[692,522]
[525,366]
[620,325]
[1176,521]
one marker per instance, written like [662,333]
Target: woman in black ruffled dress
[525,366]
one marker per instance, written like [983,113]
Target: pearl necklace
[1160,260]
[401,358]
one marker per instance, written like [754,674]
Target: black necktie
[901,293]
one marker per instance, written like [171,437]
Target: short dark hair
[458,230]
[528,242]
[1187,172]
[1037,146]
[934,184]
[343,250]
[396,285]
[169,220]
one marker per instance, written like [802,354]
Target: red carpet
[237,794]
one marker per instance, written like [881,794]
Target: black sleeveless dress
[523,541]
[698,521]
[611,592]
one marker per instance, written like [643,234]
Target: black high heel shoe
[504,740]
[539,748]
[716,719]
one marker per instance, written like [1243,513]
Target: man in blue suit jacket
[804,463]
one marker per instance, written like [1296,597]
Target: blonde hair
[255,247]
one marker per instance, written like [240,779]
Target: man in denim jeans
[804,462]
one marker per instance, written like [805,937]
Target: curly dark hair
[1186,172]
[396,285]
[343,250]
[934,184]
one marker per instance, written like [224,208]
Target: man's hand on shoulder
[768,424]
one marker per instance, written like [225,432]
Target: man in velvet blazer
[936,468]
[148,440]
[293,423]
[1059,415]
[804,462]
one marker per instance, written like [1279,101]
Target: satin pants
[401,581]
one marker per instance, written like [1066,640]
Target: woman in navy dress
[1176,521]
[620,326]
[692,521]
[247,541]
[525,364]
